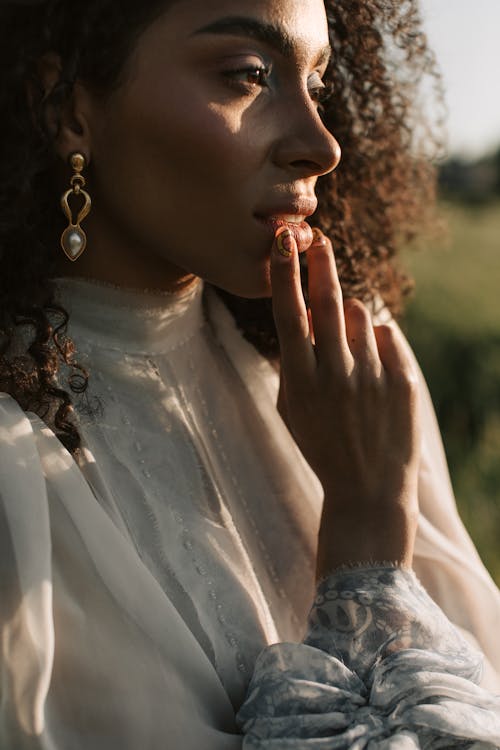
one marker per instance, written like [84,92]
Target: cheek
[179,178]
[166,155]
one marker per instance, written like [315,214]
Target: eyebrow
[268,33]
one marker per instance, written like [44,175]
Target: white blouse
[140,586]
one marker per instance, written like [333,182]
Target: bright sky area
[465,34]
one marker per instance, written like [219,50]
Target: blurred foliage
[453,323]
[471,182]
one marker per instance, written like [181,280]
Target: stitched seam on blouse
[157,547]
[189,543]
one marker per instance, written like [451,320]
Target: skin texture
[192,148]
[349,395]
[242,146]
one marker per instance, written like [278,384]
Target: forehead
[303,22]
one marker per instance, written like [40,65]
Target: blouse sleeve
[381,668]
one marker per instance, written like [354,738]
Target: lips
[292,215]
[301,231]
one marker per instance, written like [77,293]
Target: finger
[393,352]
[327,309]
[311,327]
[289,309]
[361,337]
[401,376]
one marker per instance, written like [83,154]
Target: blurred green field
[453,323]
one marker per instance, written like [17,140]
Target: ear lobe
[65,118]
[74,131]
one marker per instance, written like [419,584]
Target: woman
[148,562]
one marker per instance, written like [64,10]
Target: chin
[255,284]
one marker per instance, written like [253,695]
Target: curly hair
[377,201]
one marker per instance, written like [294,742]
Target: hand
[351,399]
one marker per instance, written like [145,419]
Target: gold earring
[74,239]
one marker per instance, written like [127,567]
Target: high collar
[130,320]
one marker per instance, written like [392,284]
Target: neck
[123,264]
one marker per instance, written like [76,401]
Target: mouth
[296,223]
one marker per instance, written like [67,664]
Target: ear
[69,122]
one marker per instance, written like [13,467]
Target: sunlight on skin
[251,79]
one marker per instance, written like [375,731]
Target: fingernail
[318,237]
[285,242]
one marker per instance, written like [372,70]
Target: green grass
[453,323]
[458,280]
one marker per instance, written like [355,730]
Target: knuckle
[373,389]
[407,384]
[356,311]
[387,329]
[328,299]
[369,369]
[388,334]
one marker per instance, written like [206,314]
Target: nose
[305,146]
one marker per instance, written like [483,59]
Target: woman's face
[213,137]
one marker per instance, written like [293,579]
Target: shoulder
[18,452]
[8,405]
[21,476]
[31,455]
[24,516]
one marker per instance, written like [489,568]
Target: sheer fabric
[381,667]
[140,585]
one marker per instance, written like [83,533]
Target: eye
[250,75]
[319,90]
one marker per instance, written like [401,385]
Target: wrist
[351,538]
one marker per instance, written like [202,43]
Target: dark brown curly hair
[377,200]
